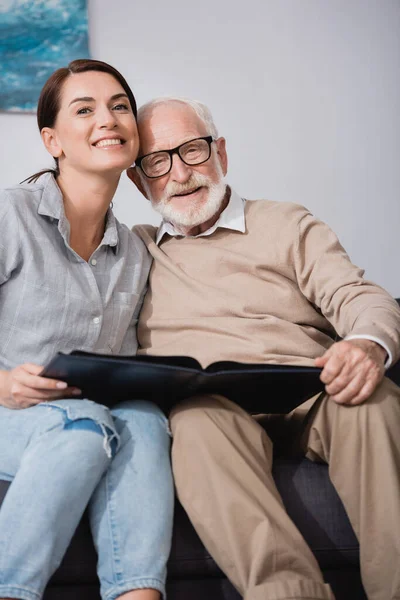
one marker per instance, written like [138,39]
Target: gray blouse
[50,298]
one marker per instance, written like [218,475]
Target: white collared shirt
[230,218]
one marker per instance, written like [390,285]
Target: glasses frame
[208,138]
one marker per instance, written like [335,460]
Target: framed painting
[37,37]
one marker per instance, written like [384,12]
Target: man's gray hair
[200,109]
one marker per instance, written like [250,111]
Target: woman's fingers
[28,375]
[25,387]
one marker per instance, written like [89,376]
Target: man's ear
[222,155]
[51,142]
[134,176]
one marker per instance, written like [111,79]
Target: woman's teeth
[104,143]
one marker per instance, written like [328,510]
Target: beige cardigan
[276,293]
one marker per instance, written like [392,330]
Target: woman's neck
[86,201]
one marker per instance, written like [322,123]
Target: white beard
[193,214]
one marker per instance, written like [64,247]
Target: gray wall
[307,93]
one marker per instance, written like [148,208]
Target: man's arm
[356,307]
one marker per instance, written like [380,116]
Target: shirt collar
[52,205]
[230,218]
[111,237]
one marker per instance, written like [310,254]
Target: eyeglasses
[194,152]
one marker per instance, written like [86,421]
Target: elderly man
[261,281]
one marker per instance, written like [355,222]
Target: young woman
[72,277]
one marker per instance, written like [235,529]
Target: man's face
[188,195]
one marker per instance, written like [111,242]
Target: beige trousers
[222,466]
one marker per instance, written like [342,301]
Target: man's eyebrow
[90,99]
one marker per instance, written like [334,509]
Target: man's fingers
[366,391]
[321,361]
[332,368]
[343,379]
[361,386]
[373,377]
[350,391]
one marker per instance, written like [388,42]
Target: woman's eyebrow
[82,99]
[121,95]
[90,99]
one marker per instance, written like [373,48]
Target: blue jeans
[62,455]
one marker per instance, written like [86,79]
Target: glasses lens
[195,152]
[156,164]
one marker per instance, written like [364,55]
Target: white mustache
[173,188]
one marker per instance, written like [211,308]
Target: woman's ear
[51,142]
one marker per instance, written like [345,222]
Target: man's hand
[351,370]
[22,387]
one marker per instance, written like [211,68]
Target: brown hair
[49,99]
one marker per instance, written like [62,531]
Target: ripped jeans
[62,455]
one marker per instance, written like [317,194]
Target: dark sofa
[312,503]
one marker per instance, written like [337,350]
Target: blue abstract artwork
[37,37]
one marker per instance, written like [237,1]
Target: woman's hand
[23,387]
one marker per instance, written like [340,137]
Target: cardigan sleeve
[330,281]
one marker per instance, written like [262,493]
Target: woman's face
[95,129]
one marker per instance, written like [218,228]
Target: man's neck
[198,229]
